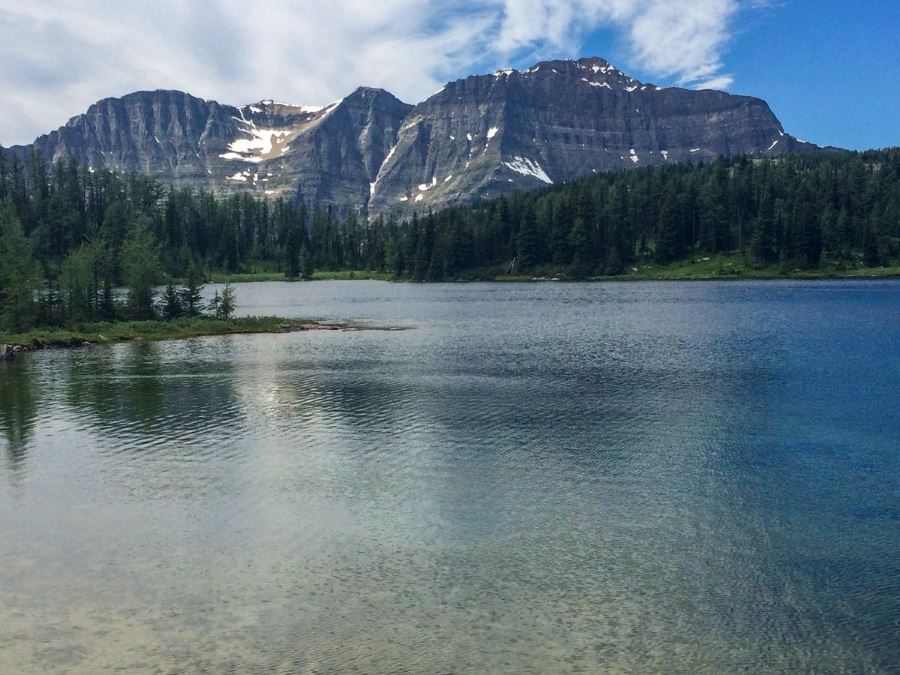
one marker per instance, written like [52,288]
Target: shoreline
[90,335]
[717,268]
[622,278]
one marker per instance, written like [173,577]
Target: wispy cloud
[679,39]
[59,56]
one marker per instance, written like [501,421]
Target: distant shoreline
[713,268]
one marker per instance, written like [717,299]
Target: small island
[154,330]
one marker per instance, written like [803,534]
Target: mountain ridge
[477,137]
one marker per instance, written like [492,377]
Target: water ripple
[540,478]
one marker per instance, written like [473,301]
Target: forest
[71,236]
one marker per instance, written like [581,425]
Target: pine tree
[668,230]
[425,243]
[806,228]
[227,303]
[614,263]
[77,285]
[191,293]
[762,242]
[526,245]
[292,254]
[578,243]
[140,267]
[306,264]
[171,303]
[18,272]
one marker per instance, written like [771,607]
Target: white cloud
[59,56]
[721,82]
[680,39]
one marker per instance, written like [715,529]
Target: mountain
[323,155]
[476,138]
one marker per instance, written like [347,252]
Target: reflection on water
[538,478]
[18,401]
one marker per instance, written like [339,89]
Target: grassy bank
[121,331]
[704,268]
[720,267]
[735,267]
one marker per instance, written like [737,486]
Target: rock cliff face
[476,138]
[323,155]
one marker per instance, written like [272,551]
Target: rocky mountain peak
[477,137]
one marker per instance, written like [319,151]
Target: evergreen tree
[526,248]
[292,254]
[668,232]
[140,267]
[17,272]
[191,293]
[171,302]
[614,263]
[306,264]
[213,306]
[762,242]
[104,276]
[806,228]
[227,303]
[424,245]
[873,245]
[578,241]
[77,285]
[393,257]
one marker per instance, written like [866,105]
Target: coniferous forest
[70,236]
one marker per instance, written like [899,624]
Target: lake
[638,477]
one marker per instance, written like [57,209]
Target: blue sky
[828,68]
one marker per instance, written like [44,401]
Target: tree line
[70,235]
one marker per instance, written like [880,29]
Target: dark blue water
[643,477]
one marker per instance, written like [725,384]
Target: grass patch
[120,331]
[706,267]
[348,275]
[696,269]
[228,278]
[735,267]
[722,267]
[517,278]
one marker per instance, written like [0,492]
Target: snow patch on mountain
[387,158]
[528,167]
[258,147]
[596,84]
[424,187]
